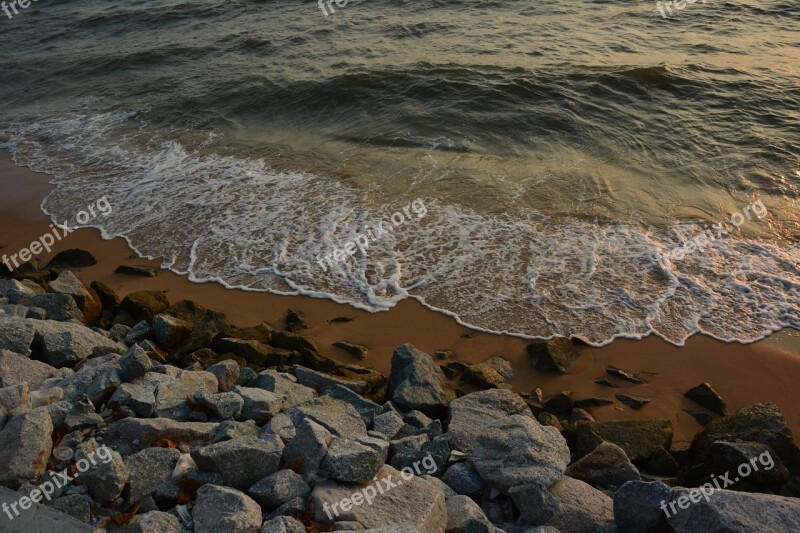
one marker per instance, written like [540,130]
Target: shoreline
[763,371]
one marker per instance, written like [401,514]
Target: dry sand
[766,371]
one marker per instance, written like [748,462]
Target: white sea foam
[243,224]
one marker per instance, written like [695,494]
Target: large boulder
[259,405]
[290,392]
[147,431]
[407,503]
[639,438]
[465,516]
[242,461]
[16,369]
[517,450]
[278,488]
[169,330]
[151,475]
[25,446]
[86,299]
[306,450]
[97,381]
[470,414]
[64,343]
[348,460]
[556,355]
[144,305]
[582,506]
[417,382]
[338,417]
[637,506]
[17,334]
[606,467]
[36,518]
[225,510]
[106,476]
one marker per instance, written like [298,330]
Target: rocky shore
[217,428]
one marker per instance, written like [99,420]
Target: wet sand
[766,371]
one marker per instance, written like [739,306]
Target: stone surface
[470,414]
[517,450]
[411,505]
[366,408]
[637,506]
[308,448]
[283,524]
[141,400]
[87,300]
[62,343]
[151,475]
[290,392]
[348,460]
[98,382]
[582,506]
[25,446]
[465,516]
[242,461]
[605,467]
[169,330]
[556,354]
[536,504]
[276,489]
[464,479]
[494,372]
[150,522]
[149,430]
[340,418]
[222,406]
[135,363]
[106,476]
[37,519]
[259,405]
[227,373]
[225,510]
[704,395]
[633,401]
[144,305]
[639,438]
[417,382]
[320,381]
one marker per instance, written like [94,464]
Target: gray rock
[582,506]
[727,510]
[147,431]
[141,400]
[259,405]
[388,424]
[279,488]
[106,476]
[407,451]
[438,483]
[118,332]
[171,395]
[637,506]
[230,429]
[241,461]
[98,382]
[348,526]
[410,505]
[366,408]
[283,524]
[135,363]
[319,381]
[36,313]
[291,393]
[225,510]
[536,504]
[169,330]
[517,450]
[11,310]
[87,301]
[17,334]
[151,475]
[225,405]
[417,382]
[465,516]
[36,518]
[470,414]
[605,467]
[25,445]
[464,480]
[226,372]
[65,343]
[59,307]
[348,460]
[246,376]
[296,507]
[150,522]
[308,448]
[139,332]
[639,438]
[338,417]
[16,369]
[15,291]
[16,399]
[78,506]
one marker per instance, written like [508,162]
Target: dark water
[562,149]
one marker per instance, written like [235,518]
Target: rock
[593,401]
[14,291]
[283,524]
[294,321]
[767,473]
[339,418]
[108,298]
[279,488]
[290,392]
[152,521]
[762,423]
[252,351]
[242,461]
[365,408]
[16,335]
[230,429]
[549,419]
[407,504]
[72,258]
[639,438]
[581,506]
[87,301]
[169,330]
[388,424]
[320,382]
[57,306]
[470,414]
[19,311]
[226,372]
[259,405]
[662,464]
[606,467]
[702,417]
[16,399]
[225,510]
[417,382]
[224,405]
[293,341]
[139,332]
[633,401]
[727,510]
[16,369]
[353,349]
[36,518]
[559,403]
[465,516]
[348,460]
[137,270]
[172,394]
[106,476]
[705,396]
[139,399]
[82,416]
[495,372]
[464,479]
[62,343]
[135,363]
[637,506]
[144,305]
[151,475]
[307,449]
[517,450]
[536,504]
[78,506]
[246,376]
[579,415]
[25,445]
[623,374]
[556,354]
[149,430]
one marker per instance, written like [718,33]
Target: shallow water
[562,149]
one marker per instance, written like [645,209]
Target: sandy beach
[766,371]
